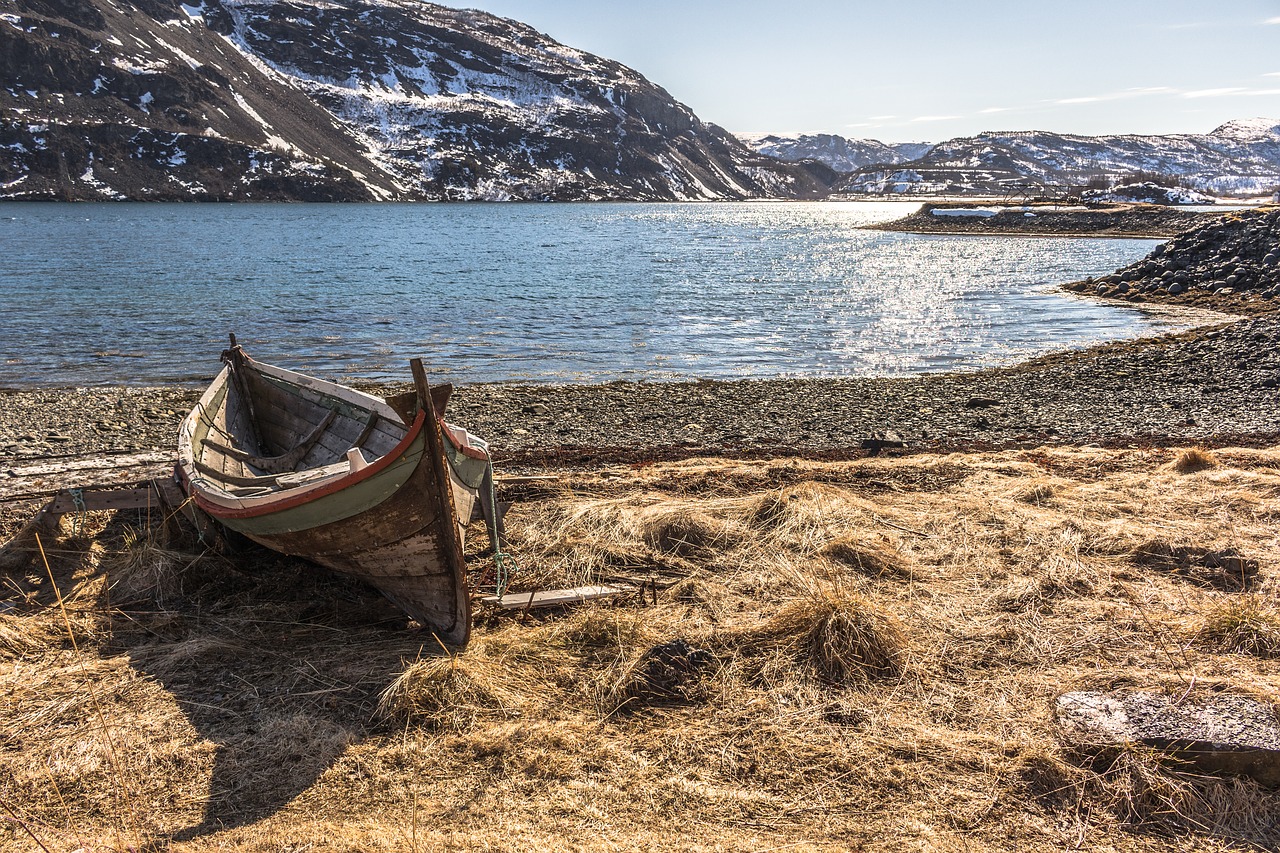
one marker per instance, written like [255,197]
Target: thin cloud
[1135,92]
[1272,21]
[1214,93]
[1272,74]
[990,110]
[936,118]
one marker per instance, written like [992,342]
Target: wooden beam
[553,597]
[66,502]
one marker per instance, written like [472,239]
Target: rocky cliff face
[350,100]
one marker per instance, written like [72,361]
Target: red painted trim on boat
[219,511]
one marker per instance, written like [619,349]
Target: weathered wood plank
[92,463]
[42,486]
[553,597]
[93,500]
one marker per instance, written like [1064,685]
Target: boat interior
[261,434]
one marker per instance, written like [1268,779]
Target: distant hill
[1238,157]
[350,100]
[838,152]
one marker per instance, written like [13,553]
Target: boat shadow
[278,665]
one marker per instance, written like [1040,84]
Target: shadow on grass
[277,662]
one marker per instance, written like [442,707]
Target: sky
[930,70]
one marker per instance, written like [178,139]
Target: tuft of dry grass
[683,532]
[842,636]
[795,505]
[596,628]
[673,672]
[141,570]
[874,558]
[1243,624]
[1151,790]
[1195,459]
[450,693]
[696,592]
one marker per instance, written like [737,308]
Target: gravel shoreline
[1214,385]
[1050,220]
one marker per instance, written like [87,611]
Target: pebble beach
[1217,384]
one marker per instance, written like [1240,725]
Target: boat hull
[397,523]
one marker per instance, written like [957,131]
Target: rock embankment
[1231,263]
[1120,220]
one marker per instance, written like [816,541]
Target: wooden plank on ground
[553,597]
[41,481]
[91,500]
[92,463]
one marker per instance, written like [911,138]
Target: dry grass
[841,637]
[1194,459]
[451,692]
[1246,625]
[873,558]
[842,655]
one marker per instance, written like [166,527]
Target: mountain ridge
[1242,155]
[348,100]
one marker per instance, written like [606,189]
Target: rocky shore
[1049,220]
[1230,263]
[1215,385]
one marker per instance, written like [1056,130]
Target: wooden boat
[378,489]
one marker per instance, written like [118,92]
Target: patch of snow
[1149,193]
[965,211]
[145,101]
[1249,128]
[140,64]
[181,55]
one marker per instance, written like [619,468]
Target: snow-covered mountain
[342,99]
[838,152]
[1238,157]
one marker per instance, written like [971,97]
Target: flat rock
[1220,735]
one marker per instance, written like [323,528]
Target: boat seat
[301,478]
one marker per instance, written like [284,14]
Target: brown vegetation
[841,655]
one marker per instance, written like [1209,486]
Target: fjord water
[146,293]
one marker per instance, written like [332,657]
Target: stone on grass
[1225,734]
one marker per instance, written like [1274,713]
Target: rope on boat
[502,571]
[82,511]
